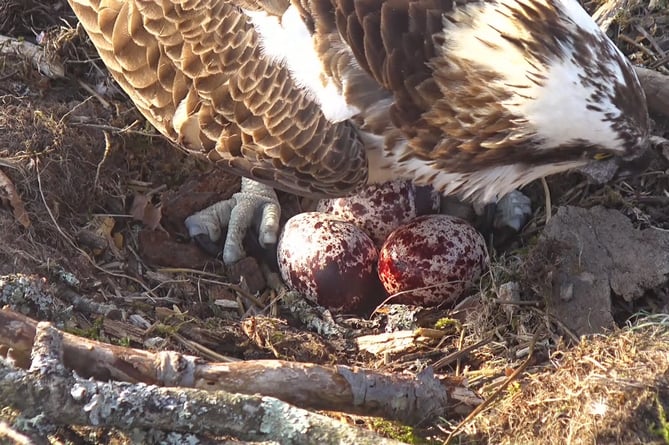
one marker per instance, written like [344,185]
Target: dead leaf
[118,240]
[99,237]
[143,210]
[14,200]
[105,228]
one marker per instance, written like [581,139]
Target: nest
[91,175]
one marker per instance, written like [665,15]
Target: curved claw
[207,244]
[255,204]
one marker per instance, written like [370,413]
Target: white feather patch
[484,185]
[559,112]
[187,126]
[556,111]
[288,41]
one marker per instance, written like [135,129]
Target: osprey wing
[197,71]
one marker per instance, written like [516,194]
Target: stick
[48,66]
[336,388]
[656,87]
[49,390]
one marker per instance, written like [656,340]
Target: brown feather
[206,53]
[197,70]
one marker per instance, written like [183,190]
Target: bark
[656,87]
[49,389]
[49,66]
[336,388]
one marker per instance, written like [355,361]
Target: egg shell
[433,259]
[330,261]
[381,208]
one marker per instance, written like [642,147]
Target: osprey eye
[600,156]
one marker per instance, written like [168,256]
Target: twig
[445,361]
[95,94]
[495,394]
[104,158]
[637,45]
[547,198]
[233,287]
[69,240]
[656,46]
[128,129]
[557,321]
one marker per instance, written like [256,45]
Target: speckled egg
[431,260]
[330,261]
[381,208]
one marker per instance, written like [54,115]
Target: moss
[167,330]
[93,333]
[662,429]
[125,342]
[448,324]
[514,388]
[622,18]
[277,337]
[397,431]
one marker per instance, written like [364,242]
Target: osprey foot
[513,210]
[255,205]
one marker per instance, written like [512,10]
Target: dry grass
[611,388]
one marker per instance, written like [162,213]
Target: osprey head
[530,88]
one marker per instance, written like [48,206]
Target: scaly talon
[513,210]
[255,204]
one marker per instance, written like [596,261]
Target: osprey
[320,97]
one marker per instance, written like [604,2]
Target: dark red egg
[431,260]
[330,261]
[381,208]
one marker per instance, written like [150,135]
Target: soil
[92,202]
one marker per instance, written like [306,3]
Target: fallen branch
[35,54]
[656,87]
[339,388]
[49,390]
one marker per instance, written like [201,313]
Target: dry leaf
[143,210]
[105,227]
[14,200]
[99,237]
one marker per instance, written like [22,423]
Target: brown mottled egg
[381,208]
[431,260]
[330,261]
